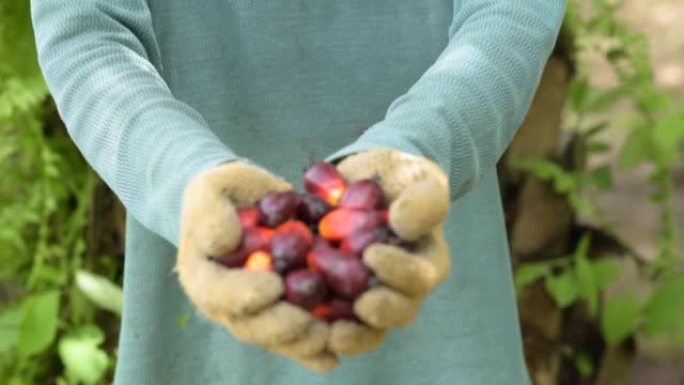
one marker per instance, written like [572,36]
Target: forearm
[465,109]
[98,58]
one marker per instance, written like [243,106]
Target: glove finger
[393,170]
[209,224]
[243,183]
[220,292]
[418,209]
[278,324]
[209,221]
[435,249]
[411,274]
[353,338]
[383,308]
[323,362]
[311,343]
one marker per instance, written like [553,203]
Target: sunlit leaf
[100,290]
[84,361]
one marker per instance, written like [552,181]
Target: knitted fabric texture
[155,91]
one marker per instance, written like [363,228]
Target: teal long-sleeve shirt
[155,91]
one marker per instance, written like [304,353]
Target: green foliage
[85,362]
[584,364]
[562,288]
[620,318]
[100,290]
[576,277]
[46,191]
[655,134]
[664,310]
[39,321]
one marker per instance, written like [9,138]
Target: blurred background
[593,187]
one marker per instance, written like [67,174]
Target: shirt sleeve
[463,112]
[100,61]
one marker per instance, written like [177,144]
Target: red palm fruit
[253,239]
[312,208]
[334,310]
[345,274]
[305,288]
[249,217]
[291,242]
[278,207]
[339,223]
[324,180]
[320,244]
[363,194]
[359,240]
[259,261]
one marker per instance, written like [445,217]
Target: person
[191,109]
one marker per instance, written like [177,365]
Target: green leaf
[586,285]
[667,136]
[563,181]
[39,323]
[594,130]
[665,308]
[10,321]
[582,248]
[17,381]
[602,177]
[527,273]
[637,149]
[100,290]
[562,288]
[597,147]
[620,317]
[606,271]
[577,93]
[84,361]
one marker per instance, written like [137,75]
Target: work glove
[246,302]
[418,193]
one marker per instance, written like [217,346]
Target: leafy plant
[48,329]
[655,132]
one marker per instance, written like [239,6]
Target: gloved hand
[418,192]
[246,302]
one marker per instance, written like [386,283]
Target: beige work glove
[247,303]
[418,192]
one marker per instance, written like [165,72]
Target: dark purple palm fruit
[278,207]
